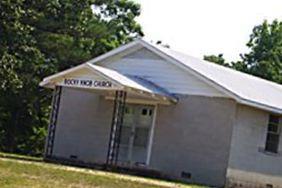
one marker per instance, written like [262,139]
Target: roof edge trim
[204,78]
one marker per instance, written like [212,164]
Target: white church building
[146,108]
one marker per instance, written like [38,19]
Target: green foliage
[219,59]
[39,38]
[265,56]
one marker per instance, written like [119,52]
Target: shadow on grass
[20,157]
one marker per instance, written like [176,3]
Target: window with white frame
[273,134]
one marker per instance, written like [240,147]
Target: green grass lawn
[21,171]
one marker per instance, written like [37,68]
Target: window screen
[125,135]
[273,133]
[141,137]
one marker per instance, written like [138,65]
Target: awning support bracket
[116,126]
[53,122]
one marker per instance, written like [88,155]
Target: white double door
[135,134]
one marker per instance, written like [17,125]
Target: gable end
[147,64]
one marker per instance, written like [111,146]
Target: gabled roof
[244,88]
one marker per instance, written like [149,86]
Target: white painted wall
[83,126]
[146,64]
[194,136]
[248,163]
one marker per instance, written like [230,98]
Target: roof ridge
[222,67]
[243,87]
[217,65]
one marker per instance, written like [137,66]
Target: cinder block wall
[249,163]
[194,137]
[191,137]
[83,126]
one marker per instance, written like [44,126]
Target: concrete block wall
[248,161]
[194,137]
[191,138]
[83,126]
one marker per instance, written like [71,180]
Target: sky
[205,27]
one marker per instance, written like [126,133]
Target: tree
[265,56]
[41,37]
[219,59]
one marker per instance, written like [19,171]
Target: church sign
[87,83]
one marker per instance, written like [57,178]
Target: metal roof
[245,88]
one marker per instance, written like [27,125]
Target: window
[150,112]
[147,112]
[144,111]
[141,137]
[273,133]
